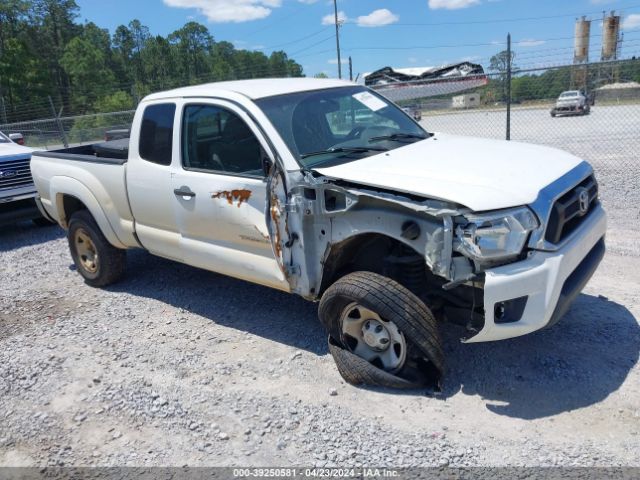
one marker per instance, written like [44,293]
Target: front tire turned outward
[381,334]
[99,262]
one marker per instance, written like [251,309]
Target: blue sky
[378,33]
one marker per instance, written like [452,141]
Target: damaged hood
[477,173]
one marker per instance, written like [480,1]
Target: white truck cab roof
[253,89]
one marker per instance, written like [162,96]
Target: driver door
[221,195]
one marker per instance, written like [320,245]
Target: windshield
[4,138]
[344,124]
[569,94]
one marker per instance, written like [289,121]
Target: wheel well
[394,259]
[70,205]
[378,253]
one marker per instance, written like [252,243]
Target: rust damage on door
[240,196]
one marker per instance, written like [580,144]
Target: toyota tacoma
[327,190]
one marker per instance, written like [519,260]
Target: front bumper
[569,109]
[550,281]
[18,207]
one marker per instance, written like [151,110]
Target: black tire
[43,222]
[357,371]
[425,364]
[110,261]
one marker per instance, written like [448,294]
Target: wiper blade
[400,136]
[344,150]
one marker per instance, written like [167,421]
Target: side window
[216,139]
[156,133]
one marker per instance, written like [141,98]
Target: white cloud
[530,42]
[631,21]
[412,60]
[308,2]
[378,18]
[331,18]
[451,4]
[225,11]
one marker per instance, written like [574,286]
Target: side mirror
[17,138]
[267,164]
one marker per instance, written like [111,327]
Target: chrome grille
[15,173]
[571,209]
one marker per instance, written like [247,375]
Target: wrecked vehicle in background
[402,84]
[393,229]
[572,102]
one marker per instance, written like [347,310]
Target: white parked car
[572,102]
[392,228]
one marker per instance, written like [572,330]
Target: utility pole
[350,69]
[335,10]
[509,86]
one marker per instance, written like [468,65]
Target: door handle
[184,192]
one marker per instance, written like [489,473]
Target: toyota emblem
[583,201]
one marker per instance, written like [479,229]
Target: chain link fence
[57,132]
[600,122]
[605,132]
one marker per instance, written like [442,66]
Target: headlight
[495,235]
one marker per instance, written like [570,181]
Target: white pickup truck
[392,228]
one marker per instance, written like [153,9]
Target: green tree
[159,60]
[193,44]
[499,64]
[139,37]
[115,102]
[55,27]
[86,65]
[45,51]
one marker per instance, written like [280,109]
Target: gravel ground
[178,366]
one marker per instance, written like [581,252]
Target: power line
[424,47]
[501,20]
[297,39]
[313,45]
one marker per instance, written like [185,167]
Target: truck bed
[114,151]
[93,174]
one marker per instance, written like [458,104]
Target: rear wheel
[99,262]
[381,322]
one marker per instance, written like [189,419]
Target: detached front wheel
[99,262]
[381,333]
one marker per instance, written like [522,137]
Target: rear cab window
[156,133]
